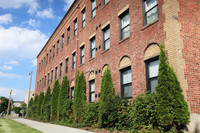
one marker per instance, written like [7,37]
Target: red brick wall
[189,16]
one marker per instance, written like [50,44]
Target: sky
[25,27]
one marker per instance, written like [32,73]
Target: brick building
[124,35]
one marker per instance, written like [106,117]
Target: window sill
[73,37]
[105,5]
[91,58]
[72,70]
[82,28]
[123,40]
[105,51]
[81,65]
[92,18]
[146,26]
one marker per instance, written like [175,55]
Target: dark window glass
[45,80]
[126,83]
[93,8]
[53,51]
[57,46]
[47,59]
[152,66]
[73,60]
[66,70]
[83,18]
[50,56]
[124,25]
[92,91]
[56,72]
[51,76]
[106,38]
[48,78]
[82,55]
[72,93]
[62,41]
[75,27]
[68,35]
[92,47]
[60,70]
[150,11]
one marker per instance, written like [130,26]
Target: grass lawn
[11,126]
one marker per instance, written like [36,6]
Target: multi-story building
[32,93]
[124,35]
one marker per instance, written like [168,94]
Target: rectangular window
[75,27]
[82,55]
[50,56]
[105,2]
[124,25]
[92,91]
[51,76]
[45,80]
[93,8]
[62,41]
[152,66]
[48,78]
[57,46]
[47,59]
[53,51]
[66,70]
[92,47]
[73,60]
[60,70]
[83,18]
[72,93]
[68,35]
[126,83]
[106,38]
[44,62]
[56,72]
[41,65]
[150,11]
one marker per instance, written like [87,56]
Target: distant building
[17,103]
[31,96]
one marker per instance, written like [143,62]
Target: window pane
[93,13]
[93,4]
[126,77]
[107,34]
[128,91]
[82,51]
[92,97]
[93,44]
[92,87]
[126,32]
[152,15]
[93,53]
[107,44]
[153,69]
[153,83]
[125,21]
[150,4]
[106,1]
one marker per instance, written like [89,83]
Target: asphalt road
[49,128]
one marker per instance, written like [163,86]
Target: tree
[79,102]
[39,103]
[171,107]
[23,107]
[34,107]
[63,100]
[46,111]
[107,93]
[54,101]
[3,104]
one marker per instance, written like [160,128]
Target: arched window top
[104,68]
[151,51]
[125,62]
[91,76]
[72,84]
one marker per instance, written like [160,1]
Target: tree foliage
[171,107]
[4,104]
[46,104]
[54,101]
[39,103]
[79,102]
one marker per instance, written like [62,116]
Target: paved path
[49,128]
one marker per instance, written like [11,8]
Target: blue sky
[25,26]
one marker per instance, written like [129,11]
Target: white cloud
[12,63]
[50,1]
[20,43]
[68,3]
[9,75]
[17,94]
[34,62]
[5,67]
[31,4]
[47,13]
[32,22]
[5,19]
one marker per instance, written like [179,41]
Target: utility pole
[31,73]
[10,91]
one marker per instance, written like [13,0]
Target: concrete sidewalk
[49,128]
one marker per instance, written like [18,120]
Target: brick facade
[171,13]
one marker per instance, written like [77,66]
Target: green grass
[11,126]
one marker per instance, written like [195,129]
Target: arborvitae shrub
[39,104]
[79,101]
[54,100]
[46,106]
[30,104]
[34,107]
[63,100]
[171,107]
